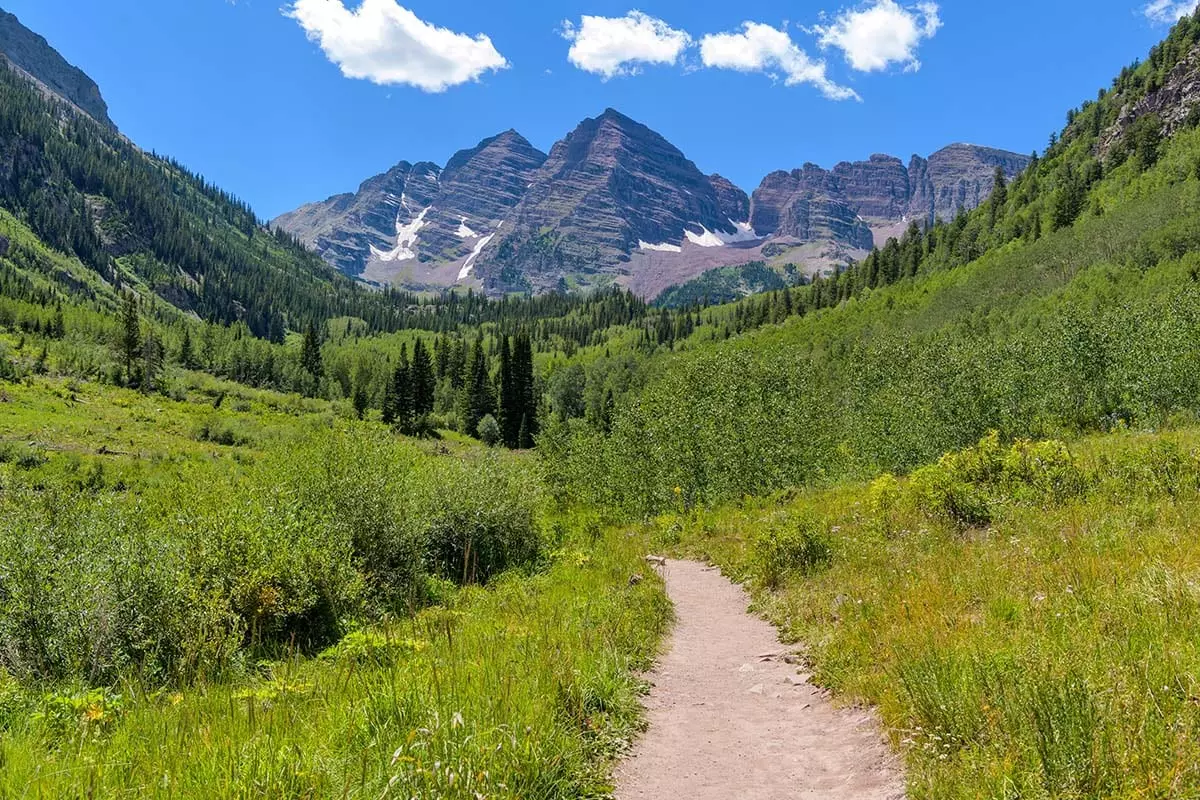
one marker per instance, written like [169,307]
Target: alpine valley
[370,502]
[616,203]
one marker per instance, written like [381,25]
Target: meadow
[240,593]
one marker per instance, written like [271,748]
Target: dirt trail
[731,720]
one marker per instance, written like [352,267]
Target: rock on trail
[730,719]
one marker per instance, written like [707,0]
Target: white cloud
[1168,11]
[761,48]
[385,43]
[882,33]
[612,46]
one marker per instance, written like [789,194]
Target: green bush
[795,545]
[478,522]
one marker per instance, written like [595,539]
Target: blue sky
[248,92]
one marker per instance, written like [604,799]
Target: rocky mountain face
[956,178]
[807,205]
[854,201]
[33,56]
[419,214]
[350,230]
[613,186]
[615,202]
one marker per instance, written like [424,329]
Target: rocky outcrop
[33,56]
[875,189]
[1175,102]
[419,212]
[611,186]
[846,204]
[478,187]
[734,202]
[807,205]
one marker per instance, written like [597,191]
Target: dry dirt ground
[729,718]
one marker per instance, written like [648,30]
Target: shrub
[884,498]
[478,520]
[489,431]
[797,545]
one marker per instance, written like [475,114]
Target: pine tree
[998,199]
[360,400]
[131,335]
[511,410]
[310,353]
[423,381]
[402,393]
[187,356]
[476,400]
[152,362]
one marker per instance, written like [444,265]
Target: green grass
[1042,646]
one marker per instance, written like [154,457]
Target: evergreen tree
[402,394]
[423,381]
[998,199]
[152,362]
[131,336]
[310,353]
[511,409]
[187,356]
[476,400]
[361,401]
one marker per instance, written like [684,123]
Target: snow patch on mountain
[707,238]
[464,230]
[482,243]
[406,238]
[665,247]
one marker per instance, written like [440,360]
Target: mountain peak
[32,56]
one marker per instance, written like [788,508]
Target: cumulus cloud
[876,36]
[1168,11]
[612,46]
[762,48]
[385,43]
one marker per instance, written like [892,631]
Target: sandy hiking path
[731,720]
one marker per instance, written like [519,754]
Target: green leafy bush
[798,544]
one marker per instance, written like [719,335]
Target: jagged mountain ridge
[857,203]
[33,56]
[613,186]
[419,215]
[615,202]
